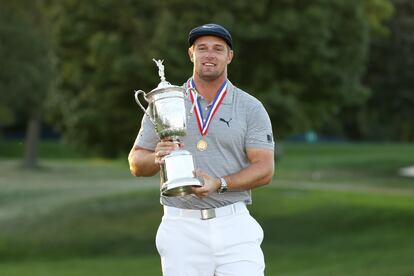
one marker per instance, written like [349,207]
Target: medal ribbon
[203,124]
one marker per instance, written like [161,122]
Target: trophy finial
[160,69]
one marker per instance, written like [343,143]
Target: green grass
[104,266]
[336,233]
[47,149]
[353,164]
[90,217]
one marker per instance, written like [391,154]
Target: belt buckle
[208,214]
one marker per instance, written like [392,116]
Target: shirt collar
[228,99]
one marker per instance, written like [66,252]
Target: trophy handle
[137,92]
[186,94]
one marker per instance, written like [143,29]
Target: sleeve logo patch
[269,138]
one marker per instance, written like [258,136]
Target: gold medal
[202,145]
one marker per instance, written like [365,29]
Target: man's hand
[164,148]
[211,184]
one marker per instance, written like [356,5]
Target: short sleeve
[147,138]
[259,128]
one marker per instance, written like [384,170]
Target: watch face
[223,186]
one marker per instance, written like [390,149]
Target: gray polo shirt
[240,122]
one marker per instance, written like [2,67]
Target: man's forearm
[258,173]
[142,162]
[250,177]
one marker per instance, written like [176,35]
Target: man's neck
[208,89]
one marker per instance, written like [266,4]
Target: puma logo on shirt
[227,122]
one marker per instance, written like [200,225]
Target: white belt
[235,208]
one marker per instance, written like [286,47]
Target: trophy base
[179,187]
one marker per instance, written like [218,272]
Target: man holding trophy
[226,139]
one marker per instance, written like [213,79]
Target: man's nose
[210,53]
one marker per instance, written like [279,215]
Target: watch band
[223,186]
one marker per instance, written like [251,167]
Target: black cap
[210,29]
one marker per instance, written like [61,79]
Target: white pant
[227,245]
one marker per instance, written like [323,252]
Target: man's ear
[190,53]
[230,56]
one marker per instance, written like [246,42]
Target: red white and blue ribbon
[204,123]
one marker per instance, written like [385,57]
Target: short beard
[210,77]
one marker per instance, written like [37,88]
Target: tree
[26,69]
[104,51]
[304,59]
[391,76]
[354,121]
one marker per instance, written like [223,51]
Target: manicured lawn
[354,216]
[351,164]
[103,266]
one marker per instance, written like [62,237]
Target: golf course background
[332,209]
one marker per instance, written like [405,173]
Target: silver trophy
[167,112]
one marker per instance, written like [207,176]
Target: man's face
[210,55]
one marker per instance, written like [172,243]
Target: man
[231,140]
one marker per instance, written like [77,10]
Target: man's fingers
[200,173]
[200,191]
[164,148]
[162,153]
